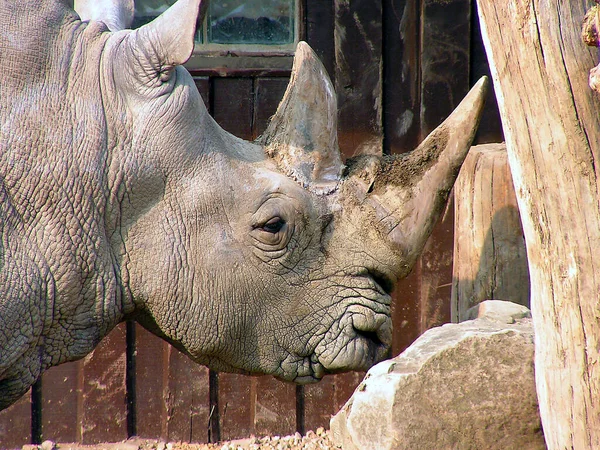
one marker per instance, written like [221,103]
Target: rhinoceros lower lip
[317,371]
[310,370]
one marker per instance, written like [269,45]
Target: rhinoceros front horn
[407,193]
[302,135]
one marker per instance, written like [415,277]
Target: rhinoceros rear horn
[168,40]
[302,135]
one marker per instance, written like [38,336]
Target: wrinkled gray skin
[121,198]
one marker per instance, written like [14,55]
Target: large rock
[461,386]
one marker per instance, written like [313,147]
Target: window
[241,26]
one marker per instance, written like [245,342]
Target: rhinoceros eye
[273,225]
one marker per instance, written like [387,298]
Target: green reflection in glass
[264,22]
[267,22]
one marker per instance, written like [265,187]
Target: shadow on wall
[494,267]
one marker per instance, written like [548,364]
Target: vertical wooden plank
[358,75]
[275,407]
[15,424]
[401,74]
[345,384]
[490,257]
[130,377]
[151,375]
[319,28]
[319,403]
[236,398]
[445,74]
[268,94]
[402,127]
[406,311]
[59,402]
[186,398]
[103,412]
[232,105]
[203,85]
[445,68]
[490,127]
[436,273]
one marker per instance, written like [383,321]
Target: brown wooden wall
[399,67]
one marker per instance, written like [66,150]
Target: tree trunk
[490,261]
[551,123]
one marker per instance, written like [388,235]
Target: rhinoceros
[121,198]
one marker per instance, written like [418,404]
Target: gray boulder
[461,386]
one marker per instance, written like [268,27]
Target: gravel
[313,440]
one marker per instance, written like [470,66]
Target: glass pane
[267,22]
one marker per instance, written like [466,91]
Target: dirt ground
[321,439]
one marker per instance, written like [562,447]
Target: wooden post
[551,123]
[490,260]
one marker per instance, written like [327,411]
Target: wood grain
[15,423]
[319,29]
[60,395]
[444,80]
[358,76]
[550,116]
[490,260]
[401,75]
[102,409]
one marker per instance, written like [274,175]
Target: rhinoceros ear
[116,14]
[302,135]
[168,40]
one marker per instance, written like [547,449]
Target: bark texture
[550,118]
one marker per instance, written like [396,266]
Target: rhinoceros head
[271,256]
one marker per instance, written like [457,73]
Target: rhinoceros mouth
[356,341]
[362,338]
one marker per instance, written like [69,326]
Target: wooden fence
[400,67]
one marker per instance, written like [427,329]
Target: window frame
[214,49]
[247,59]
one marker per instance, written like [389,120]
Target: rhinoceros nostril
[383,281]
[371,336]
